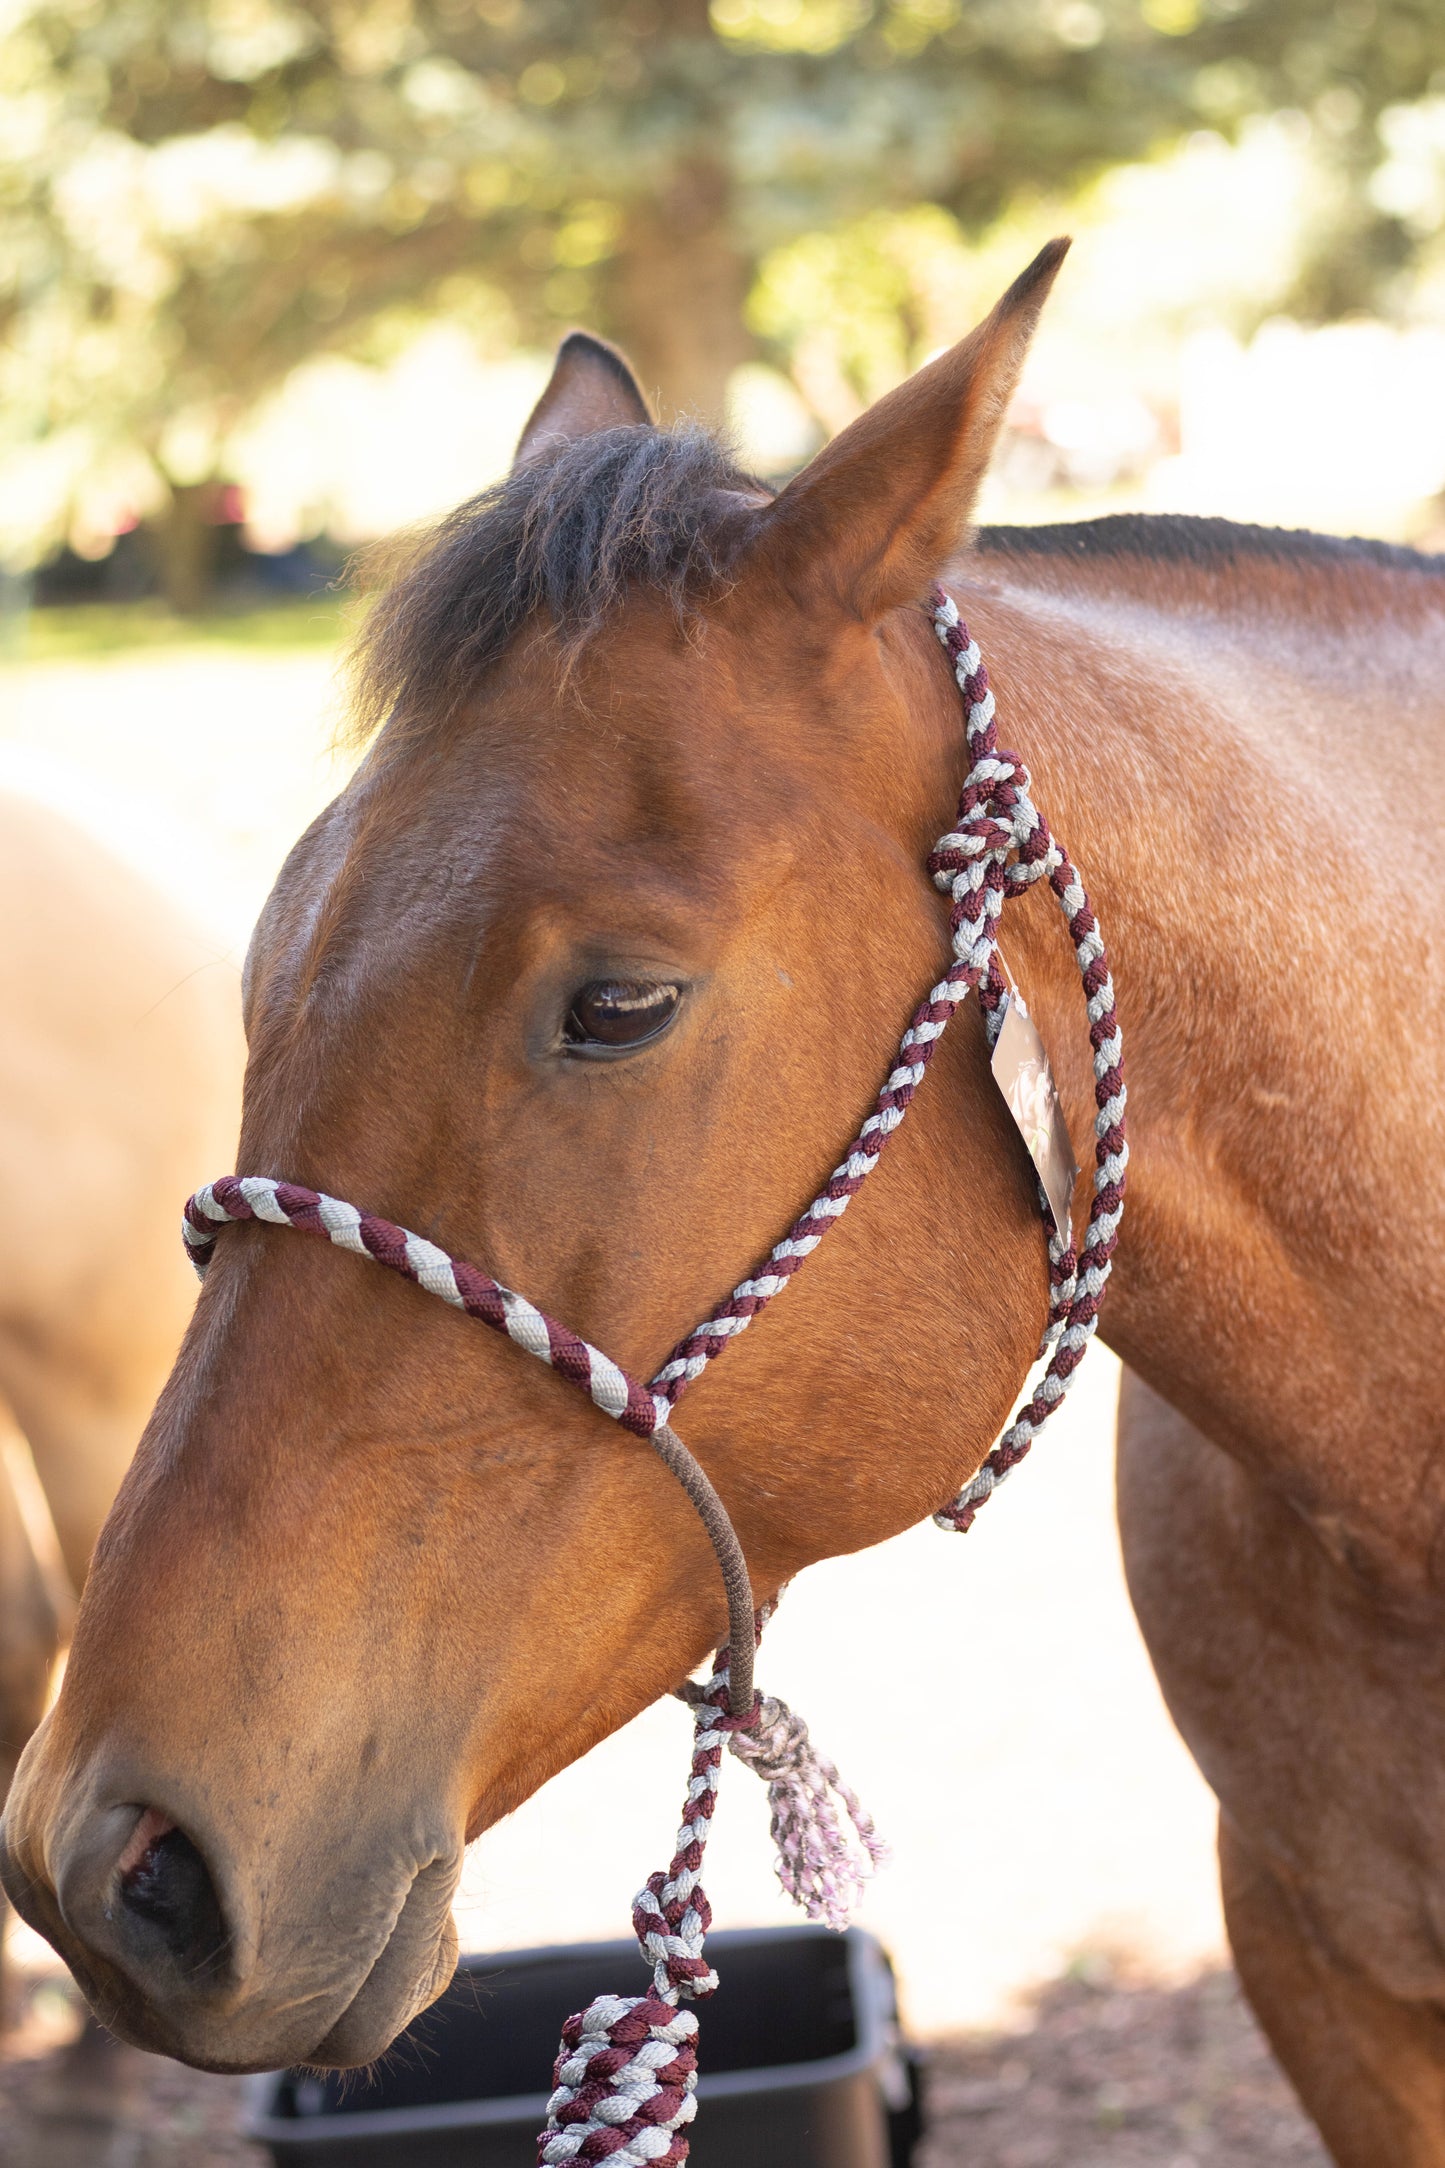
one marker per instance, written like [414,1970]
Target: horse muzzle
[172,1934]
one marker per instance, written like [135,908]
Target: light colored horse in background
[120,1065]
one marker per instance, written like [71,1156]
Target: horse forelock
[563,539]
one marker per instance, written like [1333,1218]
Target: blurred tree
[200,193]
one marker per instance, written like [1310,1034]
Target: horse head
[586,976]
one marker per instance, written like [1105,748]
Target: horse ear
[591,388]
[876,516]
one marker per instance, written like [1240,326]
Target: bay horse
[120,1060]
[587,975]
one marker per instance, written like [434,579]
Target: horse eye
[620,1013]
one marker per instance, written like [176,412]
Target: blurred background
[279,276]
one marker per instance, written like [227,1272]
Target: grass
[79,632]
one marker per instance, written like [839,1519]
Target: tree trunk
[676,291]
[186,537]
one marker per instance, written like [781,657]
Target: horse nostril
[166,1886]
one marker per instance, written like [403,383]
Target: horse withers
[587,977]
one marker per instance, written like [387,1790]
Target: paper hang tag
[1021,1070]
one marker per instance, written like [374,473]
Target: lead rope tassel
[626,2077]
[821,1863]
[827,1846]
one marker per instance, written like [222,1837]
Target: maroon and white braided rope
[626,2079]
[625,2084]
[976,865]
[288,1204]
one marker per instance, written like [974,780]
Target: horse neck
[1277,1203]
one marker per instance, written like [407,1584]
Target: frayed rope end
[825,1856]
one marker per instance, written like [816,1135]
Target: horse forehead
[496,849]
[648,696]
[646,755]
[598,813]
[659,767]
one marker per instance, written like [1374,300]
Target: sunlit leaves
[247,38]
[1174,18]
[199,194]
[790,26]
[588,235]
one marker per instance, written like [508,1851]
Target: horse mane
[1210,544]
[564,536]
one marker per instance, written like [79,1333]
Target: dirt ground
[1113,2073]
[1105,2071]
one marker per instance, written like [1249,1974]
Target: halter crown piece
[627,2074]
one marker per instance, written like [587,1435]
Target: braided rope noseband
[626,2077]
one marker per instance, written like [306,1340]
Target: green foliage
[855,306]
[197,194]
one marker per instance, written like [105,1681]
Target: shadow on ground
[1103,2072]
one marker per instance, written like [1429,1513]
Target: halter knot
[770,1744]
[984,838]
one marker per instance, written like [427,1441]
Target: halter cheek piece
[627,2072]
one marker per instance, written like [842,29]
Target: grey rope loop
[742,1623]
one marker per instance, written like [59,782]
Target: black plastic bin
[800,2063]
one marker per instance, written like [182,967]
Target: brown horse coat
[374,1577]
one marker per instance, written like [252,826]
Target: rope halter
[626,2077]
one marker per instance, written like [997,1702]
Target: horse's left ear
[875,517]
[590,388]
